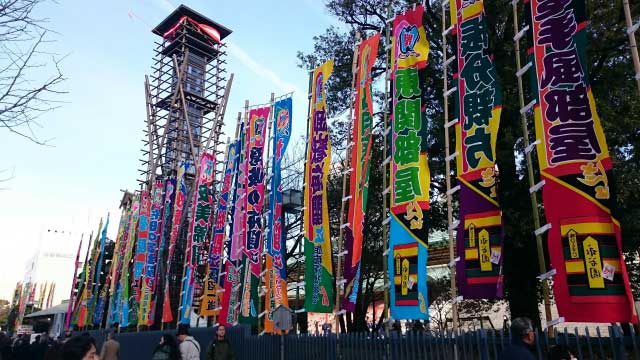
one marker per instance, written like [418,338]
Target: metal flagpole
[527,150]
[385,183]
[346,169]
[448,157]
[631,32]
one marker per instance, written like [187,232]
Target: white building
[54,262]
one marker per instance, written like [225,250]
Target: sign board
[24,329]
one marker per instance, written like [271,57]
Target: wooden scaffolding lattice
[186,97]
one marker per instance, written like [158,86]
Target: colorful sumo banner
[148,284]
[317,242]
[253,203]
[410,179]
[178,208]
[212,295]
[276,275]
[585,245]
[478,107]
[198,230]
[360,162]
[229,314]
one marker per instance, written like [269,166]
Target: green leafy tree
[612,83]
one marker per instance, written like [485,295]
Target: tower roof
[184,10]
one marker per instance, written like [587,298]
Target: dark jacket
[220,350]
[162,352]
[518,350]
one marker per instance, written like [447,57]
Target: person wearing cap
[522,340]
[189,347]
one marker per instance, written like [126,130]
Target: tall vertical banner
[80,311]
[212,295]
[72,295]
[360,163]
[100,288]
[254,201]
[164,230]
[317,243]
[200,223]
[113,270]
[41,292]
[230,299]
[91,279]
[115,291]
[115,302]
[276,275]
[178,208]
[585,245]
[140,256]
[148,283]
[479,238]
[52,291]
[410,179]
[126,300]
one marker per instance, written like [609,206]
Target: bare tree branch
[23,59]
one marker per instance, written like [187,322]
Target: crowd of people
[83,347]
[186,347]
[46,348]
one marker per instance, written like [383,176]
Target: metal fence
[608,343]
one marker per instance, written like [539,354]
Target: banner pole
[445,80]
[532,194]
[385,173]
[304,185]
[214,212]
[67,320]
[631,32]
[229,205]
[346,164]
[151,174]
[265,179]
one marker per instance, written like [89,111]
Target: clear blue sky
[96,134]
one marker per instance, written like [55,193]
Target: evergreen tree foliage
[617,100]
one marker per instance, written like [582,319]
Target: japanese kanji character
[558,31]
[407,84]
[406,184]
[561,67]
[478,72]
[407,148]
[407,115]
[477,108]
[478,146]
[573,141]
[474,36]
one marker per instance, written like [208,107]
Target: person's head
[220,332]
[522,329]
[167,339]
[68,334]
[79,348]
[110,335]
[560,352]
[183,332]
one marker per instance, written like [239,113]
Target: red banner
[585,245]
